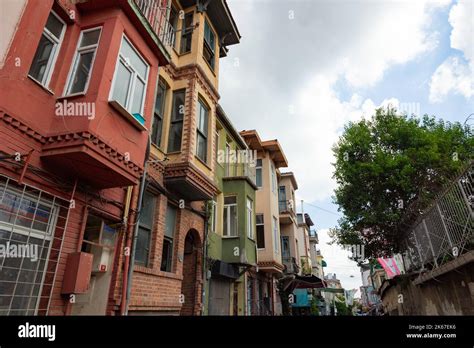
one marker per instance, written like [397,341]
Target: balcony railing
[286,206]
[240,170]
[157,17]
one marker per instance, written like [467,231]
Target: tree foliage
[388,169]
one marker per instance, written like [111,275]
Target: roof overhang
[276,153]
[273,147]
[221,18]
[230,127]
[291,176]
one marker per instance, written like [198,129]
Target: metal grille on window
[32,225]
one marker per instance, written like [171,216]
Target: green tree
[388,168]
[341,306]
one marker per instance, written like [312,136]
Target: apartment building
[290,245]
[303,234]
[270,157]
[231,240]
[108,111]
[77,92]
[170,264]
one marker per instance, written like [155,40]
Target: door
[219,297]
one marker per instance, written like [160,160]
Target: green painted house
[231,239]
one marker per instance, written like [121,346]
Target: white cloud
[461,18]
[318,64]
[452,76]
[456,75]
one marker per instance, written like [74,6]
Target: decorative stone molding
[22,127]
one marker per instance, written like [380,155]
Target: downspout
[204,259]
[130,201]
[135,230]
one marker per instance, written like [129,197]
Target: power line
[327,211]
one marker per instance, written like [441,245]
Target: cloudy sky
[304,68]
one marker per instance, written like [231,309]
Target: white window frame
[77,55]
[55,51]
[274,183]
[227,210]
[275,235]
[214,216]
[48,234]
[135,75]
[249,209]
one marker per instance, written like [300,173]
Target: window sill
[40,84]
[230,237]
[155,272]
[182,54]
[118,107]
[72,96]
[200,160]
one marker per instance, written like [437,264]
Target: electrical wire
[327,211]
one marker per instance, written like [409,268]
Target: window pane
[90,38]
[122,82]
[166,256]
[160,99]
[143,245]
[178,106]
[43,54]
[133,58]
[174,144]
[138,96]
[233,220]
[186,37]
[54,25]
[258,173]
[260,236]
[201,147]
[202,122]
[230,200]
[148,208]
[170,221]
[259,219]
[156,130]
[82,73]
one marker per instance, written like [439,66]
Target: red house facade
[77,93]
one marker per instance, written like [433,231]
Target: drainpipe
[130,201]
[135,230]
[204,263]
